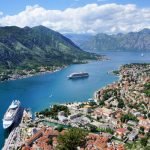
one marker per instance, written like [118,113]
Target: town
[116,118]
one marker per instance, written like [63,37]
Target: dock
[12,141]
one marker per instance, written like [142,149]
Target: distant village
[15,74]
[116,118]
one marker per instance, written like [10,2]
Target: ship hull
[11,117]
[77,77]
[7,125]
[14,122]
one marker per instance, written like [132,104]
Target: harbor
[113,116]
[14,140]
[35,92]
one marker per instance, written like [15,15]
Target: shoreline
[119,85]
[31,75]
[17,76]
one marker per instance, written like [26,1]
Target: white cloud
[92,18]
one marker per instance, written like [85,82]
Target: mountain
[130,41]
[79,39]
[37,46]
[23,50]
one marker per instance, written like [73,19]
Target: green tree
[129,128]
[127,117]
[50,142]
[71,139]
[144,141]
[60,128]
[120,103]
[148,115]
[92,104]
[147,89]
[53,112]
[142,129]
[92,128]
[101,103]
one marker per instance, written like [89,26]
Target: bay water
[41,91]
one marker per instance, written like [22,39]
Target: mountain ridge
[31,48]
[130,41]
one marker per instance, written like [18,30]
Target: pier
[12,141]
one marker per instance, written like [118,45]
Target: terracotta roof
[120,147]
[26,148]
[121,130]
[35,136]
[96,142]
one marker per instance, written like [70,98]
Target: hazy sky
[77,16]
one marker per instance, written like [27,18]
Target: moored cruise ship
[11,114]
[78,75]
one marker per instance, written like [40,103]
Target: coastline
[18,76]
[112,86]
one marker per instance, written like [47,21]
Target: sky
[77,16]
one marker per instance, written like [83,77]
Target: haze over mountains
[38,46]
[130,41]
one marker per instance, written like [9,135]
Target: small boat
[78,75]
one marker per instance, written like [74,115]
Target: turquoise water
[40,91]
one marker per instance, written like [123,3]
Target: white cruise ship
[78,75]
[11,114]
